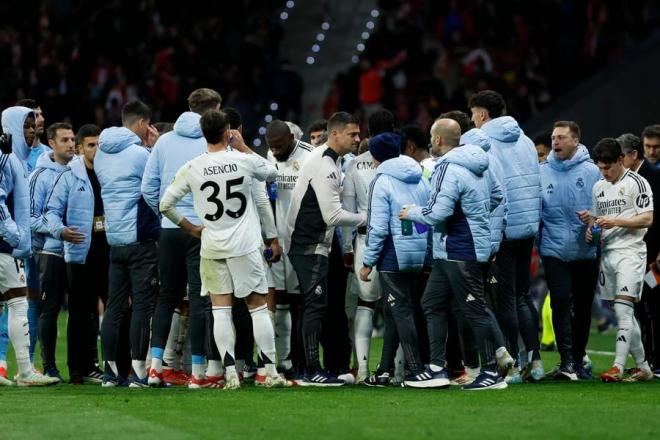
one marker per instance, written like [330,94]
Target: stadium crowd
[182,231]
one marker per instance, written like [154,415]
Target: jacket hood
[403,168]
[471,157]
[13,119]
[187,125]
[78,168]
[477,137]
[503,129]
[581,155]
[46,161]
[116,139]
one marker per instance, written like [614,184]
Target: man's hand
[403,214]
[277,251]
[237,142]
[584,216]
[587,236]
[72,235]
[152,136]
[364,273]
[349,259]
[607,223]
[657,261]
[196,231]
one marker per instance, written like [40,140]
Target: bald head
[445,135]
[277,128]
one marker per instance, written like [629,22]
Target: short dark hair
[492,101]
[51,131]
[461,117]
[28,102]
[134,110]
[339,121]
[629,143]
[607,150]
[544,138]
[164,127]
[214,123]
[87,130]
[204,99]
[652,131]
[381,121]
[415,135]
[234,117]
[572,126]
[318,125]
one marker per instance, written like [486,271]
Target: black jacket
[652,238]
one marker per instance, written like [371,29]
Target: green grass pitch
[546,410]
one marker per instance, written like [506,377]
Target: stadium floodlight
[316,48]
[320,36]
[284,15]
[310,60]
[375,13]
[274,106]
[290,4]
[325,25]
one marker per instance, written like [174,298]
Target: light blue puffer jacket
[516,155]
[42,180]
[398,182]
[495,176]
[71,204]
[119,164]
[171,152]
[566,187]
[14,192]
[460,206]
[35,154]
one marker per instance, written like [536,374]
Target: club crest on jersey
[622,191]
[643,201]
[579,183]
[296,165]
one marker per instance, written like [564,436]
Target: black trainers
[487,380]
[378,379]
[428,379]
[95,376]
[565,372]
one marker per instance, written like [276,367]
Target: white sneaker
[232,382]
[4,382]
[348,378]
[278,381]
[35,379]
[504,362]
[362,375]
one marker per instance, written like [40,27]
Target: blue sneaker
[428,379]
[111,380]
[54,373]
[656,373]
[320,379]
[566,371]
[487,380]
[136,382]
[583,373]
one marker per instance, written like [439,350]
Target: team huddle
[184,232]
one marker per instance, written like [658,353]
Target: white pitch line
[604,353]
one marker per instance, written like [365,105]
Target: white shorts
[367,291]
[621,274]
[282,276]
[238,275]
[12,273]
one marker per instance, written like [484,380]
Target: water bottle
[406,225]
[272,190]
[595,234]
[268,254]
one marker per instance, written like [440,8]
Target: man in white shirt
[314,212]
[231,262]
[288,154]
[623,209]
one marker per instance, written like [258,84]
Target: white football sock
[625,316]
[215,369]
[198,370]
[264,336]
[283,334]
[364,325]
[19,332]
[169,356]
[637,347]
[139,368]
[224,333]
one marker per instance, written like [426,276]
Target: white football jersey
[355,191]
[287,176]
[629,196]
[221,184]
